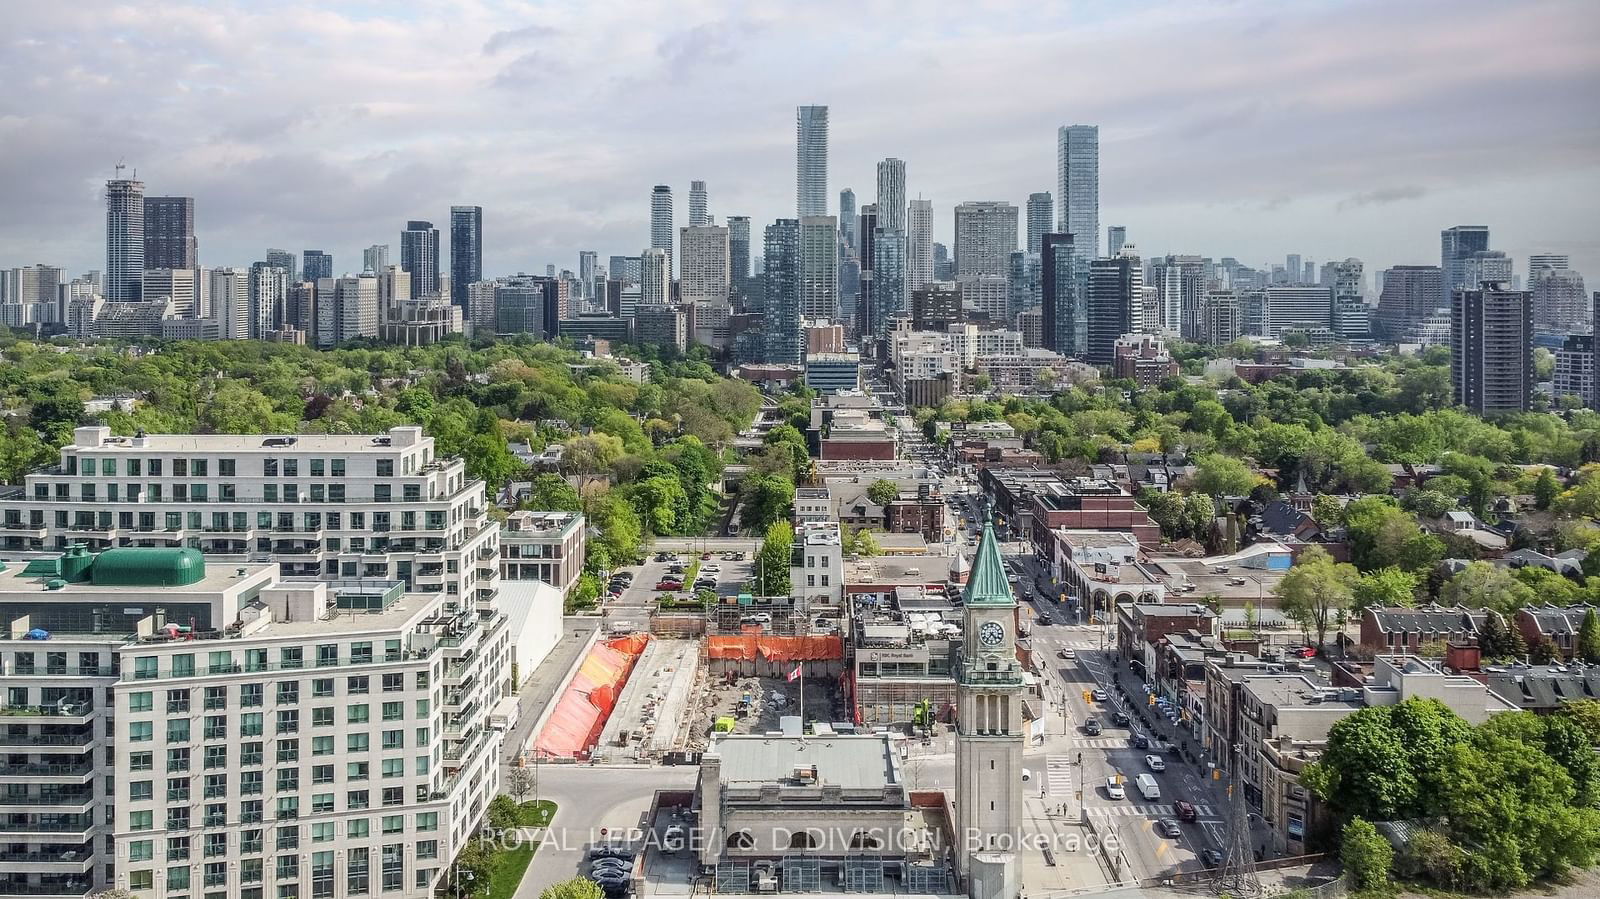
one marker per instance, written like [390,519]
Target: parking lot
[631,611]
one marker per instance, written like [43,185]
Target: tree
[883,492]
[1545,489]
[552,493]
[773,560]
[1316,592]
[1327,511]
[1385,588]
[520,782]
[576,888]
[1482,585]
[864,544]
[766,498]
[1496,641]
[1588,646]
[470,873]
[503,813]
[1364,771]
[1221,475]
[1367,856]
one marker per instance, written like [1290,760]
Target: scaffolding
[802,874]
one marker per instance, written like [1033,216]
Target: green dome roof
[988,584]
[137,566]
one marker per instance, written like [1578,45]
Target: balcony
[41,771]
[57,713]
[75,828]
[18,529]
[82,738]
[44,861]
[74,803]
[75,887]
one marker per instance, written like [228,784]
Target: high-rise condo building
[847,219]
[375,258]
[181,284]
[919,244]
[699,205]
[1456,245]
[986,235]
[739,258]
[1541,263]
[124,240]
[889,294]
[588,263]
[1179,283]
[892,194]
[1065,315]
[1307,310]
[419,256]
[655,277]
[1484,265]
[284,260]
[1041,218]
[1115,289]
[1491,348]
[466,250]
[819,267]
[811,160]
[269,288]
[1116,238]
[624,268]
[785,341]
[169,233]
[1560,306]
[228,295]
[661,222]
[1023,282]
[703,269]
[1410,295]
[866,295]
[1078,186]
[1352,317]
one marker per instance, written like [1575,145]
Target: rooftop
[851,762]
[540,523]
[101,438]
[1296,691]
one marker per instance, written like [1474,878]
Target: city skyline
[350,169]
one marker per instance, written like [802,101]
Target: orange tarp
[777,649]
[580,714]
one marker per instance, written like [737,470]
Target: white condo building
[704,275]
[268,738]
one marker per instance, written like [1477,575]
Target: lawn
[536,814]
[509,866]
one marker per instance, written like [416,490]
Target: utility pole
[1236,876]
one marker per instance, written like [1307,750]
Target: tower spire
[988,584]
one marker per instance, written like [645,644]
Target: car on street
[1099,695]
[1155,762]
[1114,790]
[1042,619]
[1305,652]
[1092,727]
[1169,828]
[1062,654]
[1185,810]
[1140,741]
[1211,858]
[1069,654]
[1120,718]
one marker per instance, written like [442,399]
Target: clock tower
[989,735]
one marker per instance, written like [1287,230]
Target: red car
[1306,652]
[669,585]
[705,557]
[1184,809]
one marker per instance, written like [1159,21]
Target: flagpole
[802,667]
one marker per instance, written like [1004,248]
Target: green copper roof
[147,567]
[987,585]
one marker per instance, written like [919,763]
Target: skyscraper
[784,341]
[315,264]
[1041,214]
[1291,268]
[1115,288]
[847,219]
[1180,286]
[1078,186]
[986,235]
[655,277]
[819,267]
[1456,245]
[169,233]
[1491,348]
[811,160]
[1410,294]
[588,262]
[284,261]
[943,270]
[739,258]
[375,258]
[466,251]
[703,270]
[1065,317]
[866,296]
[1560,306]
[892,194]
[919,244]
[419,256]
[889,294]
[661,222]
[1116,237]
[124,240]
[1540,264]
[699,210]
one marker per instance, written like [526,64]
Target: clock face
[991,633]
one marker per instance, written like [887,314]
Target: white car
[1099,695]
[1155,762]
[710,569]
[1114,790]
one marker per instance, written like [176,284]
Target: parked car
[705,557]
[1155,762]
[1306,652]
[1114,790]
[669,585]
[1169,828]
[1185,810]
[713,568]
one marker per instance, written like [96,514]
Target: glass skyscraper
[466,250]
[1078,186]
[811,160]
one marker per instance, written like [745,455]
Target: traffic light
[1087,697]
[1151,699]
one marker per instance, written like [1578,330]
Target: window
[178,877]
[215,757]
[321,803]
[144,668]
[225,468]
[252,694]
[141,761]
[393,739]
[288,780]
[142,820]
[141,790]
[358,828]
[394,711]
[394,683]
[427,821]
[322,745]
[322,687]
[322,774]
[385,468]
[140,731]
[291,657]
[426,848]
[141,880]
[288,808]
[394,767]
[393,796]
[177,730]
[356,714]
[251,724]
[322,832]
[380,493]
[356,770]
[217,697]
[177,849]
[327,654]
[356,685]
[288,750]
[322,717]
[141,702]
[250,753]
[251,783]
[177,702]
[356,800]
[357,742]
[394,824]
[141,850]
[178,759]
[288,721]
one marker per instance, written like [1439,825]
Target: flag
[795,674]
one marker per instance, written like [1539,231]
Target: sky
[1249,128]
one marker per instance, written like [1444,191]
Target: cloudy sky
[1251,128]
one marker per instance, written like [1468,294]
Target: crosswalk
[1137,810]
[1058,776]
[1101,743]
